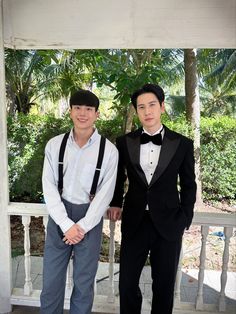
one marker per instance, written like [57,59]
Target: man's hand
[114,213]
[74,235]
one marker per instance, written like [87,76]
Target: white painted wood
[178,281]
[69,279]
[5,242]
[18,296]
[83,24]
[31,209]
[45,223]
[228,231]
[28,288]
[200,218]
[199,300]
[111,295]
[214,219]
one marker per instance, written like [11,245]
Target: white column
[5,243]
[69,278]
[111,295]
[28,288]
[228,231]
[199,300]
[178,281]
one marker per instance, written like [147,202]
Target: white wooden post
[111,295]
[5,243]
[28,288]
[178,281]
[228,231]
[69,279]
[199,301]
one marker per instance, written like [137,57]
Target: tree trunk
[193,111]
[129,119]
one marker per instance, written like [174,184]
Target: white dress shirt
[78,170]
[149,156]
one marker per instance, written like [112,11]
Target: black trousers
[164,258]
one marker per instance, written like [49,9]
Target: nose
[147,111]
[82,111]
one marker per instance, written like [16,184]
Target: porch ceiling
[85,24]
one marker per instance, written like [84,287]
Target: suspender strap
[60,162]
[98,168]
[97,171]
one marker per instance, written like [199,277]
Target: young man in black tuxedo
[158,205]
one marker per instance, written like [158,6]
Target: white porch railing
[29,296]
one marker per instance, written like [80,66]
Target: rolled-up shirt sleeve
[104,194]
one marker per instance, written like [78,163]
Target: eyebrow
[150,102]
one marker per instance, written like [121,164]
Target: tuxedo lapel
[168,149]
[133,146]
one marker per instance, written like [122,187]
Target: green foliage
[218,154]
[111,129]
[218,158]
[27,137]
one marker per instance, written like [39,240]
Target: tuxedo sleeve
[118,196]
[187,183]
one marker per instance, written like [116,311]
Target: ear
[97,114]
[162,107]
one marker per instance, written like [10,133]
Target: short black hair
[148,88]
[84,97]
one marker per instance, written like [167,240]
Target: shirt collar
[160,130]
[91,140]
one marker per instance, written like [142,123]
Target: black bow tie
[156,139]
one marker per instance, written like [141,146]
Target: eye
[140,107]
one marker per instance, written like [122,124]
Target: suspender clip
[91,197]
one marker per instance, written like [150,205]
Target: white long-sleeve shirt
[79,167]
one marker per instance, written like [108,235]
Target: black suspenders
[97,171]
[60,162]
[98,168]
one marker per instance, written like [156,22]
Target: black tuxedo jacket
[171,193]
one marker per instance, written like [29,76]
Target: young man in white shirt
[75,221]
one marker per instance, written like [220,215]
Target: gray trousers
[56,258]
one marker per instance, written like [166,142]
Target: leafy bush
[218,158]
[218,155]
[28,135]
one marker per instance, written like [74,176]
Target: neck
[154,129]
[81,137]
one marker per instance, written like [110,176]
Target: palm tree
[217,69]
[193,110]
[25,78]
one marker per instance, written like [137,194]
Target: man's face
[149,111]
[83,116]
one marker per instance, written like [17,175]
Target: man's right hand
[114,213]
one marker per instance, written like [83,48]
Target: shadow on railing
[106,300]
